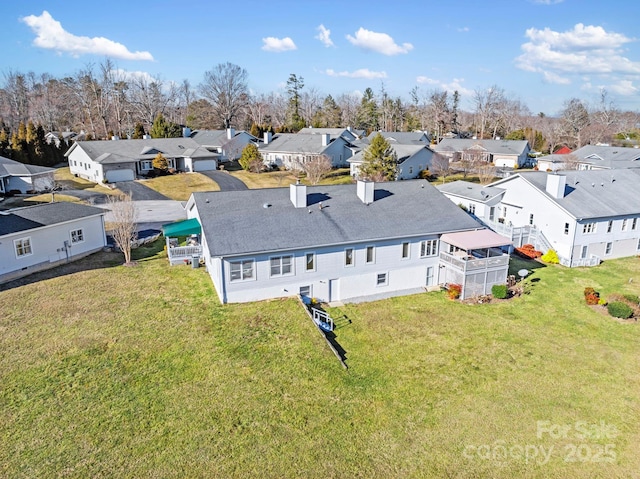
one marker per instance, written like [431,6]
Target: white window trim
[353,258]
[306,263]
[373,254]
[609,246]
[22,241]
[242,278]
[589,228]
[402,257]
[625,224]
[281,257]
[81,235]
[433,246]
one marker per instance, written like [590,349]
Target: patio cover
[182,228]
[477,239]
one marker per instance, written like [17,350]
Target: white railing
[184,252]
[593,260]
[322,319]
[475,264]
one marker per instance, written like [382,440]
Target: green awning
[182,228]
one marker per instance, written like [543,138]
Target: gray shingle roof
[297,144]
[126,151]
[472,191]
[593,193]
[237,222]
[10,167]
[609,156]
[402,137]
[504,147]
[403,152]
[37,216]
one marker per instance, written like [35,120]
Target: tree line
[103,101]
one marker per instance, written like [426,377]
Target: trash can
[195,261]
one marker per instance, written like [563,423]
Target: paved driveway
[139,192]
[225,181]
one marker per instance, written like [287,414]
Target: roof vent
[266,205]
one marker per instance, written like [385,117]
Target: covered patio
[476,260]
[183,241]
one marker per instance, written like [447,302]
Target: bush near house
[591,296]
[454,291]
[528,251]
[500,291]
[631,300]
[550,257]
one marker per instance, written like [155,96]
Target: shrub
[589,290]
[550,257]
[500,291]
[528,251]
[632,298]
[602,302]
[455,290]
[618,309]
[592,299]
[425,175]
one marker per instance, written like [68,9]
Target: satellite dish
[523,273]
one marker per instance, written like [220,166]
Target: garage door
[124,174]
[204,165]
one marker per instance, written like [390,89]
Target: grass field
[179,187]
[140,372]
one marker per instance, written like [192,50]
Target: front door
[334,293]
[430,276]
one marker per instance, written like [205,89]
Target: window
[634,223]
[348,257]
[566,228]
[472,208]
[405,250]
[241,270]
[281,265]
[583,253]
[310,262]
[589,228]
[370,254]
[305,291]
[146,165]
[492,213]
[624,224]
[638,245]
[411,170]
[531,218]
[77,236]
[428,248]
[607,249]
[381,279]
[609,226]
[23,246]
[504,212]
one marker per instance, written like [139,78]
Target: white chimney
[146,137]
[298,194]
[556,185]
[186,132]
[365,189]
[267,137]
[115,138]
[326,138]
[230,133]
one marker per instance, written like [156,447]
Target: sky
[541,52]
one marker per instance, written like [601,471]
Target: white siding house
[412,159]
[502,153]
[335,243]
[291,150]
[21,178]
[42,236]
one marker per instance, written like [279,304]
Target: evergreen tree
[162,128]
[160,163]
[380,161]
[251,159]
[367,117]
[138,132]
[295,85]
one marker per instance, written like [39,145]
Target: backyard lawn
[116,371]
[179,187]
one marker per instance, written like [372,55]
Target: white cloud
[360,73]
[551,77]
[378,42]
[133,75]
[624,87]
[51,35]
[427,80]
[450,87]
[324,36]
[464,29]
[273,44]
[584,49]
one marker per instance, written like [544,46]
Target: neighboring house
[403,137]
[585,216]
[592,157]
[412,159]
[16,177]
[125,160]
[292,150]
[227,143]
[481,201]
[46,235]
[347,243]
[348,133]
[502,153]
[66,137]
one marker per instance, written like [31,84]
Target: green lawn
[179,187]
[140,372]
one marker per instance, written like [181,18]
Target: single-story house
[592,157]
[502,153]
[412,159]
[292,150]
[403,137]
[66,137]
[228,144]
[21,178]
[348,133]
[481,201]
[43,236]
[125,160]
[585,216]
[346,243]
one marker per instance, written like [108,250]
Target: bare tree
[575,118]
[348,104]
[572,162]
[486,173]
[123,222]
[316,168]
[441,166]
[226,89]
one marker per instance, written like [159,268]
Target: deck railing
[475,264]
[184,252]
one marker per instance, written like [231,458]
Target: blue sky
[542,52]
